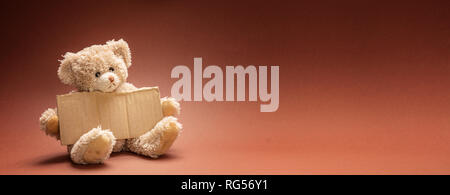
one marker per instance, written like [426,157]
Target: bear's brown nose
[111,79]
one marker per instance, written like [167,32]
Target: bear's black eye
[111,69]
[97,74]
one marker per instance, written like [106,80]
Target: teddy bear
[104,68]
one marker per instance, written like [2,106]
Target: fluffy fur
[104,68]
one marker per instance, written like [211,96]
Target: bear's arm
[49,122]
[170,106]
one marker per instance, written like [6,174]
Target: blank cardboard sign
[127,115]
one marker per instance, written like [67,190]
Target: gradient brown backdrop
[364,86]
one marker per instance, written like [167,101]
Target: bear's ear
[65,72]
[121,49]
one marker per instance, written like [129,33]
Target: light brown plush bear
[104,68]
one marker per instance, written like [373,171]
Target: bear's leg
[119,146]
[158,140]
[93,147]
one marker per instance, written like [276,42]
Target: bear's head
[97,68]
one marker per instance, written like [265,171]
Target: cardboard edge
[58,100]
[97,92]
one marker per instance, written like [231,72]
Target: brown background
[364,85]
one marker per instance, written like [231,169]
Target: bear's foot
[168,135]
[94,147]
[157,141]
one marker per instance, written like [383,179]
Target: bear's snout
[107,82]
